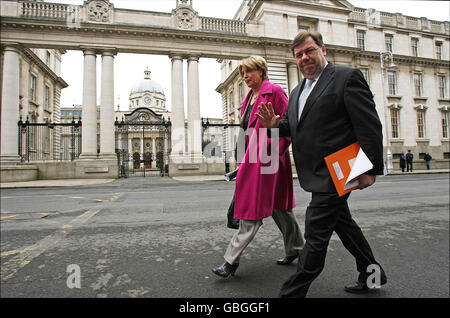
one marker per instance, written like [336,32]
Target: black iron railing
[49,141]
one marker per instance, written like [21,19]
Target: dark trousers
[327,212]
[409,166]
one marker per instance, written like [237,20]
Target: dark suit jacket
[339,111]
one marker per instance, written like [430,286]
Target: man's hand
[366,180]
[267,115]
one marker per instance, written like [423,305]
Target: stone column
[107,135]
[194,123]
[292,75]
[10,107]
[89,117]
[178,135]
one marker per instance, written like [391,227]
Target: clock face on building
[147,100]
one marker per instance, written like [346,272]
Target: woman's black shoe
[225,269]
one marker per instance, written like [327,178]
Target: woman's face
[253,78]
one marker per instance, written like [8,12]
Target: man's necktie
[304,96]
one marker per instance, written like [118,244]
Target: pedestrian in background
[409,161]
[427,159]
[403,161]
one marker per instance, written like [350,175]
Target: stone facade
[411,90]
[264,28]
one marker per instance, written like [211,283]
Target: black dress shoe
[225,269]
[287,260]
[360,287]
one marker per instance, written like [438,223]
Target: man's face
[310,58]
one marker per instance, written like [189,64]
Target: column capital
[88,50]
[109,52]
[11,46]
[193,58]
[176,56]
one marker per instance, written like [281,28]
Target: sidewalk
[203,178]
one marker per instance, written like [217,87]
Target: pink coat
[257,193]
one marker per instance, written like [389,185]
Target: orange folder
[341,163]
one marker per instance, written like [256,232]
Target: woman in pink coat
[264,185]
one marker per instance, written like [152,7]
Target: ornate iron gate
[143,144]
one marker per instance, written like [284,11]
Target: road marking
[4,218]
[27,254]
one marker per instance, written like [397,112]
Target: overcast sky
[129,68]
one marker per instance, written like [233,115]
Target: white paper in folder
[359,165]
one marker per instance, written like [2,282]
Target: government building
[145,145]
[404,59]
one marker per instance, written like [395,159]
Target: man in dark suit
[409,161]
[330,109]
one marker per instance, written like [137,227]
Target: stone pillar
[10,107]
[107,135]
[89,118]
[292,75]
[194,123]
[178,135]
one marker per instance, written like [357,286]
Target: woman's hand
[267,115]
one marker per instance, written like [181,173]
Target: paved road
[157,237]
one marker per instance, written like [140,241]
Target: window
[442,86]
[365,73]
[415,46]
[241,91]
[420,124]
[438,50]
[388,41]
[231,109]
[395,122]
[392,83]
[33,87]
[361,40]
[418,84]
[303,28]
[46,140]
[47,97]
[445,118]
[47,58]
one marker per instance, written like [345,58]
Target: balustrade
[223,25]
[49,10]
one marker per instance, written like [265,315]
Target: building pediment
[143,115]
[334,3]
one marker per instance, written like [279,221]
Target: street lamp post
[386,57]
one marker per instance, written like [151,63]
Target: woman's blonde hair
[254,63]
